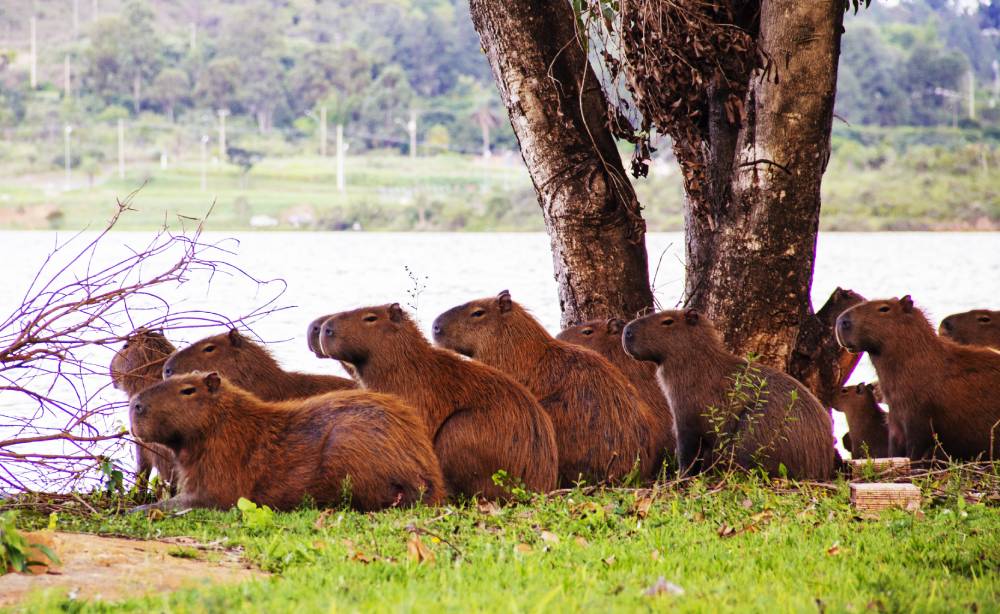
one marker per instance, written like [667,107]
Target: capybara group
[727,410]
[605,338]
[944,396]
[363,449]
[868,429]
[976,327]
[137,365]
[602,426]
[250,366]
[480,421]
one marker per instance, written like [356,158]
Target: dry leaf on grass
[522,548]
[417,551]
[661,586]
[642,505]
[550,537]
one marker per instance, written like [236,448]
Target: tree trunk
[751,255]
[559,115]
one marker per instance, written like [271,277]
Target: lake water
[327,272]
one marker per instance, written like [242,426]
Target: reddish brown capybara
[312,340]
[605,338]
[602,426]
[867,424]
[944,396]
[728,410]
[138,365]
[250,366]
[976,327]
[354,447]
[480,420]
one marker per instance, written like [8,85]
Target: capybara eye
[586,331]
[884,309]
[125,347]
[667,322]
[478,313]
[209,349]
[188,391]
[370,317]
[983,319]
[843,390]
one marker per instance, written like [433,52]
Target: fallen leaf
[747,503]
[655,554]
[583,543]
[726,531]
[661,586]
[609,561]
[550,537]
[698,517]
[522,548]
[833,550]
[641,506]
[488,507]
[321,519]
[417,551]
[155,514]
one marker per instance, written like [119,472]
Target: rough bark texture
[559,114]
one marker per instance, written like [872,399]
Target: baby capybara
[944,396]
[250,366]
[602,426]
[480,420]
[976,327]
[726,409]
[868,428]
[137,365]
[360,448]
[605,338]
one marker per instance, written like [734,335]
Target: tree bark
[559,114]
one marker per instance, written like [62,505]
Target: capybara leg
[689,453]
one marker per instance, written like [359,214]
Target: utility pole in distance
[204,162]
[411,127]
[322,132]
[67,131]
[121,148]
[222,133]
[340,157]
[34,52]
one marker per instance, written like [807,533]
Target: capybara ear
[395,312]
[907,303]
[235,338]
[615,326]
[691,316]
[870,387]
[504,301]
[213,382]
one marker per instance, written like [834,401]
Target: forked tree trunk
[559,114]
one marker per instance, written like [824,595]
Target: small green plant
[113,477]
[255,518]
[15,551]
[515,487]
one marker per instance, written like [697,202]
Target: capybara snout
[313,333]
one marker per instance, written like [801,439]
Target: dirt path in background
[110,568]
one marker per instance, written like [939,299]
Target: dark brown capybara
[727,410]
[605,338]
[250,366]
[944,396]
[976,327]
[480,420]
[360,448]
[138,365]
[602,426]
[867,424]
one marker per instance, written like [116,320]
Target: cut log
[868,468]
[871,497]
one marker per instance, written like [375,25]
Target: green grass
[739,546]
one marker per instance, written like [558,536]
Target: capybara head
[139,362]
[468,328]
[848,397]
[213,354]
[603,336]
[354,336]
[868,326]
[313,334]
[177,409]
[669,335]
[976,327]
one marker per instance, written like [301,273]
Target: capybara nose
[628,334]
[327,331]
[167,371]
[139,409]
[947,325]
[437,329]
[844,324]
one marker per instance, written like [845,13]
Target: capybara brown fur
[250,366]
[602,426]
[480,420]
[868,428]
[944,396]
[360,448]
[605,338]
[138,365]
[976,327]
[728,410]
[312,340]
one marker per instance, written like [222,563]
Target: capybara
[942,394]
[605,338]
[602,426]
[312,340]
[361,448]
[480,420]
[727,409]
[976,327]
[250,366]
[868,429]
[137,365]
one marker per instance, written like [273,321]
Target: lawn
[737,544]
